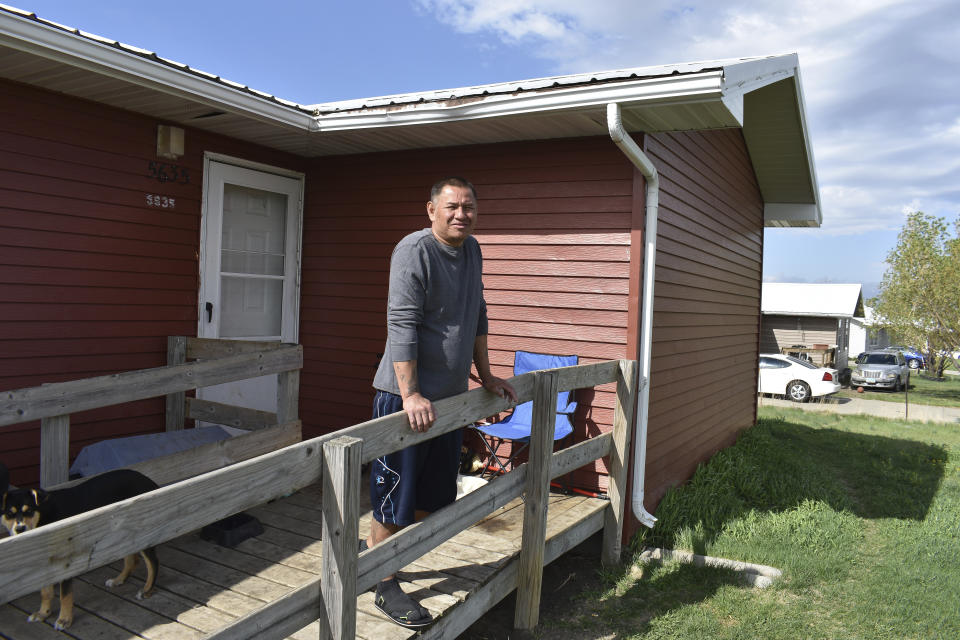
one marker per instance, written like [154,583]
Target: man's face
[453,215]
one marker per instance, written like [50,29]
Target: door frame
[210,158]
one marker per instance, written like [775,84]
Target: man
[436,326]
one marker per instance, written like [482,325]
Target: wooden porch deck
[202,587]
[460,561]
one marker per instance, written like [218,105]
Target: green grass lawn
[944,392]
[861,514]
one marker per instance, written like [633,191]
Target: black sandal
[400,607]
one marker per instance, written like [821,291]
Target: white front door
[249,267]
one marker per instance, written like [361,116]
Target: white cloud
[501,17]
[954,129]
[912,207]
[660,31]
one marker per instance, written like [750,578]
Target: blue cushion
[122,452]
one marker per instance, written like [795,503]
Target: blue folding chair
[517,426]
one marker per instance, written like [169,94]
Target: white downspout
[641,162]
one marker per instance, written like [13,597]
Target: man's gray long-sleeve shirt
[435,311]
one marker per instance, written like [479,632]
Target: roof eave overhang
[61,45]
[757,95]
[808,314]
[692,88]
[785,169]
[785,214]
[778,139]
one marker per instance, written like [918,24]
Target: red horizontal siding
[32,226]
[92,278]
[79,312]
[587,285]
[554,225]
[706,308]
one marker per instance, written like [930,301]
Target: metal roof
[150,55]
[811,299]
[763,96]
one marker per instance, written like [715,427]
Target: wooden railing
[179,406]
[36,558]
[219,361]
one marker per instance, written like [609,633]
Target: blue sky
[881,78]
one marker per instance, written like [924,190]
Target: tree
[919,299]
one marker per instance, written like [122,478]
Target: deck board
[203,586]
[171,603]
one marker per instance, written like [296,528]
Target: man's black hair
[452,181]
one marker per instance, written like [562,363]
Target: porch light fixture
[169,141]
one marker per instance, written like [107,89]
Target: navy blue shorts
[422,477]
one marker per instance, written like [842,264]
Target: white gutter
[626,144]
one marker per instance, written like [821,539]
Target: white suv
[881,369]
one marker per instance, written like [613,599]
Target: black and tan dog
[26,509]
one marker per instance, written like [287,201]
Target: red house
[141,198]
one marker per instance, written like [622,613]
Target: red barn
[141,198]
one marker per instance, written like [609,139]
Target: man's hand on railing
[500,387]
[420,412]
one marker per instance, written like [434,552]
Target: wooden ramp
[460,562]
[203,587]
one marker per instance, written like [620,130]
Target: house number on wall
[165,172]
[163,202]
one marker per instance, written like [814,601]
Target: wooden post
[176,354]
[622,421]
[530,576]
[54,450]
[341,531]
[288,396]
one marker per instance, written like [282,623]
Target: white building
[811,316]
[863,337]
